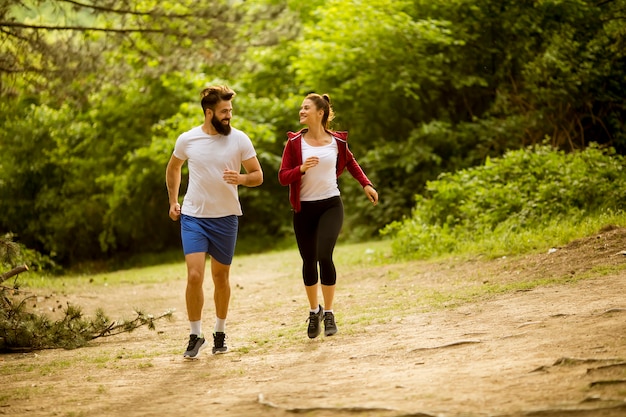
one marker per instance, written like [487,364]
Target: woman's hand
[371,194]
[309,163]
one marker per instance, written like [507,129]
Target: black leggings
[317,228]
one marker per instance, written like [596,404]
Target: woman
[312,161]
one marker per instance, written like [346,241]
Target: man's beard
[222,129]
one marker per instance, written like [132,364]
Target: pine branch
[115,328]
[13,272]
[105,9]
[79,28]
[125,11]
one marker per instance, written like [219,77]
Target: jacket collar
[339,135]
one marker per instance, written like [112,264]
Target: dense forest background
[94,94]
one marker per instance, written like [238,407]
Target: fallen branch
[115,328]
[13,272]
[23,331]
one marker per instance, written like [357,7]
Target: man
[215,153]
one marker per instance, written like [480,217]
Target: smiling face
[221,117]
[309,113]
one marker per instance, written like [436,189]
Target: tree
[84,44]
[424,88]
[91,186]
[109,71]
[428,87]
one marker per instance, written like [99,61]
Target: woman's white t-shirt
[207,156]
[320,182]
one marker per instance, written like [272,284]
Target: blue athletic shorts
[217,236]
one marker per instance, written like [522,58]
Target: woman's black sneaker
[315,323]
[330,327]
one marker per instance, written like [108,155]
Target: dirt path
[553,350]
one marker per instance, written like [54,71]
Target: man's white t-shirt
[207,156]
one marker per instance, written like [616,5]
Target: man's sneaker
[196,344]
[218,343]
[315,321]
[330,327]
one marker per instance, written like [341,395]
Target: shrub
[527,190]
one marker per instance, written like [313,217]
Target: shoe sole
[220,352]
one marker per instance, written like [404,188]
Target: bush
[527,190]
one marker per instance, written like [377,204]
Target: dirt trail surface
[545,337]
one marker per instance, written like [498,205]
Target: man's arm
[254,173]
[172,180]
[252,178]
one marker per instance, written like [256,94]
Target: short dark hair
[210,96]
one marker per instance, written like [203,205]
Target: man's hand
[175,211]
[232,177]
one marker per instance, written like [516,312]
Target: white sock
[220,325]
[328,311]
[315,311]
[196,327]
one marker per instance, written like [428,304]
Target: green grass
[157,274]
[23,394]
[555,233]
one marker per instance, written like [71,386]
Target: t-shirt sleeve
[247,148]
[180,148]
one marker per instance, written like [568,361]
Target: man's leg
[221,296]
[221,293]
[194,297]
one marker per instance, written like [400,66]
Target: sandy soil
[556,349]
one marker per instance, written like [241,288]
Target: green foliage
[66,171]
[65,49]
[89,117]
[427,87]
[9,250]
[134,185]
[508,200]
[13,253]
